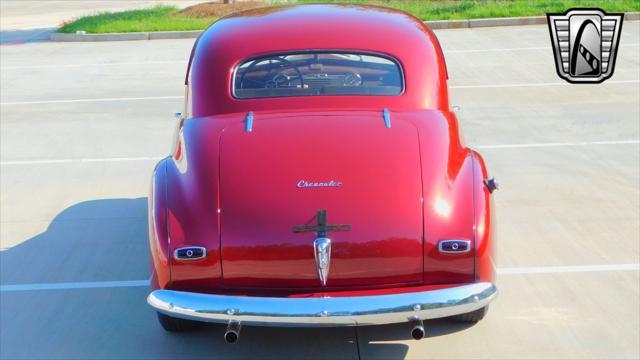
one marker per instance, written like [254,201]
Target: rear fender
[158,234]
[193,202]
[447,188]
[485,267]
[448,215]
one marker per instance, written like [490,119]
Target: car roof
[317,27]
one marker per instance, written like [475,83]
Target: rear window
[316,74]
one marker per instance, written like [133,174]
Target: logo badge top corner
[585,44]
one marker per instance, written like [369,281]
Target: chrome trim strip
[324,311]
[387,118]
[204,253]
[325,51]
[441,242]
[248,122]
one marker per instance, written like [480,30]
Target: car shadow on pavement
[97,240]
[106,240]
[377,342]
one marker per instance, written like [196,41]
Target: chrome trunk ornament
[322,252]
[322,244]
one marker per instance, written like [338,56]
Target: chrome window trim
[441,242]
[325,51]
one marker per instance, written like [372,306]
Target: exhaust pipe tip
[231,337]
[418,332]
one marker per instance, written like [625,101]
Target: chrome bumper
[328,311]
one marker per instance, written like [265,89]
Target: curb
[155,35]
[475,23]
[434,25]
[633,16]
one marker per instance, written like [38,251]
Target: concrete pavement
[35,20]
[82,124]
[29,14]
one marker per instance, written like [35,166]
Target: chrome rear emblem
[322,251]
[322,244]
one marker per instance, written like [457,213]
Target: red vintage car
[319,178]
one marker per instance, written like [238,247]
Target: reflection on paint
[442,207]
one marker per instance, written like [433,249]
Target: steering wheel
[274,81]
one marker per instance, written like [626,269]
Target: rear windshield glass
[315,74]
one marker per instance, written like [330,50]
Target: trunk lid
[349,165]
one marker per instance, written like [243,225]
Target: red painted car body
[404,187]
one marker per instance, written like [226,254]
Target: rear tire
[172,324]
[472,317]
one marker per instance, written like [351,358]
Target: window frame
[394,60]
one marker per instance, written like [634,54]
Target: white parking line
[144,283]
[513,49]
[30,162]
[21,67]
[91,100]
[496,50]
[557,144]
[156,158]
[567,269]
[140,158]
[484,86]
[160,62]
[74,285]
[497,86]
[87,160]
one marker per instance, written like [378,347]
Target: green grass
[159,18]
[470,9]
[162,18]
